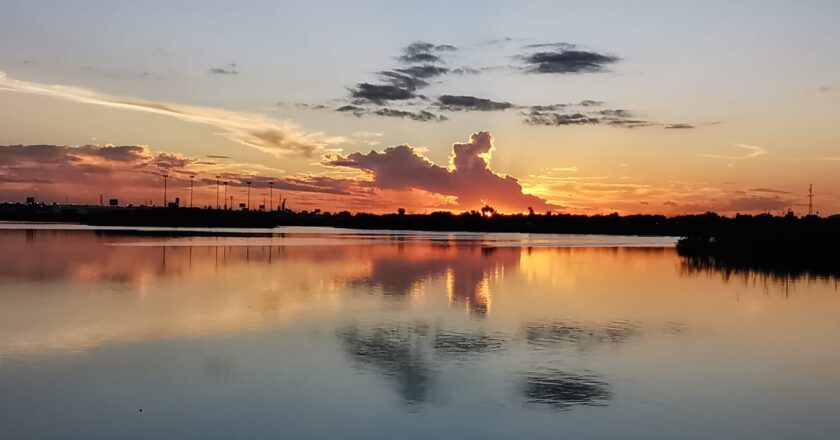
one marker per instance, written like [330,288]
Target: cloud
[559,119]
[757,203]
[467,103]
[380,93]
[825,88]
[229,69]
[554,115]
[769,190]
[251,129]
[133,172]
[679,126]
[425,71]
[566,59]
[420,116]
[468,177]
[754,152]
[422,52]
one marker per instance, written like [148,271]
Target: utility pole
[165,176]
[811,199]
[270,196]
[249,194]
[217,191]
[192,178]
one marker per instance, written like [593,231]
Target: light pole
[192,178]
[249,194]
[165,176]
[270,196]
[217,191]
[226,198]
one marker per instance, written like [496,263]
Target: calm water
[337,334]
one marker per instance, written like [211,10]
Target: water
[320,333]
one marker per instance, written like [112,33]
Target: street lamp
[192,178]
[217,191]
[249,194]
[165,176]
[226,197]
[271,196]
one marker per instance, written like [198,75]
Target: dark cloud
[611,117]
[229,69]
[380,93]
[559,119]
[469,179]
[420,116]
[217,156]
[402,81]
[769,190]
[566,59]
[422,52]
[669,203]
[468,103]
[425,71]
[679,126]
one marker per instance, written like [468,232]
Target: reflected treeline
[771,270]
[563,390]
[409,355]
[579,335]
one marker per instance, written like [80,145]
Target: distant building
[30,200]
[176,203]
[113,202]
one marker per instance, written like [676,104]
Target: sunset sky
[582,107]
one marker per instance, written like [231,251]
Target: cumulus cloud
[468,177]
[251,129]
[566,58]
[467,103]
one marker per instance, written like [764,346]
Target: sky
[596,107]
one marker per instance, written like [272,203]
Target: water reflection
[562,390]
[411,355]
[582,336]
[467,269]
[216,333]
[780,271]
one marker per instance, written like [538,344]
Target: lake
[323,333]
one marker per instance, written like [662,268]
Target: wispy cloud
[753,152]
[251,129]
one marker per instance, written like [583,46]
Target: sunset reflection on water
[326,323]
